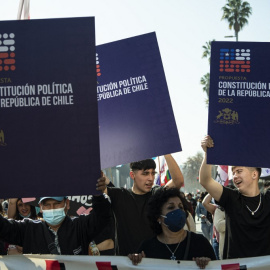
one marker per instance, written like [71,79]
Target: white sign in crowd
[49,262]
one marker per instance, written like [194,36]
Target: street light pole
[230,37]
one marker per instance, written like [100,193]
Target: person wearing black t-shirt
[247,210]
[167,213]
[129,205]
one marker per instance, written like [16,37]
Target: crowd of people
[148,221]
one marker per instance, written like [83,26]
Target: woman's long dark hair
[32,210]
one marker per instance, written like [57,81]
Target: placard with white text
[49,139]
[135,112]
[239,104]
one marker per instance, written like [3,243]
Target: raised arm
[210,207]
[11,212]
[206,180]
[102,183]
[177,180]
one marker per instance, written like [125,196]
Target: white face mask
[54,216]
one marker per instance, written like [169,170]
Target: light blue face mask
[54,216]
[25,216]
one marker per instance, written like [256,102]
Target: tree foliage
[236,13]
[207,50]
[191,172]
[205,80]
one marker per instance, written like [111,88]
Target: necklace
[253,212]
[173,257]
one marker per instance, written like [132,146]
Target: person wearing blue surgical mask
[58,233]
[167,214]
[54,210]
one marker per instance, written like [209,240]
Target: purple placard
[49,138]
[239,104]
[135,113]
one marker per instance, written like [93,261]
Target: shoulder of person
[117,189]
[31,221]
[228,193]
[267,194]
[155,188]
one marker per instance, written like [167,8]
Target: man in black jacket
[58,234]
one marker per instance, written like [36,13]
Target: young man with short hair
[129,205]
[247,210]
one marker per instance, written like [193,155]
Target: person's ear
[68,204]
[132,175]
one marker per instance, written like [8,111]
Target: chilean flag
[222,175]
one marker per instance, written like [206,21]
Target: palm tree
[207,50]
[205,81]
[236,13]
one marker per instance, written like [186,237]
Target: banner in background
[136,119]
[265,173]
[239,104]
[53,262]
[78,205]
[49,138]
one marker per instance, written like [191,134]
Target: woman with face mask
[167,214]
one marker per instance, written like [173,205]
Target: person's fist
[207,142]
[136,258]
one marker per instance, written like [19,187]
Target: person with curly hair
[167,214]
[129,205]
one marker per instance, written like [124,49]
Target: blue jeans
[216,247]
[207,232]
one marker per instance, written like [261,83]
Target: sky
[182,28]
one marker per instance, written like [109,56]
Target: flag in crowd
[222,175]
[265,173]
[163,174]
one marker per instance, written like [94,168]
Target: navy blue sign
[135,114]
[239,104]
[49,139]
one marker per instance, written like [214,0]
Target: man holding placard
[247,210]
